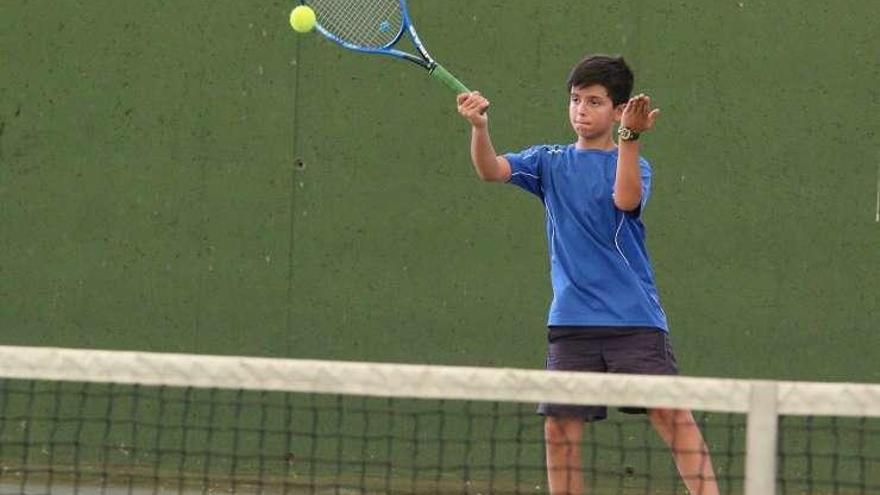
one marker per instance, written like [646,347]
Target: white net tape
[422,381]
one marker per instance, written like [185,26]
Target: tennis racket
[376,26]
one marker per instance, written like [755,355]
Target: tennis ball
[302,19]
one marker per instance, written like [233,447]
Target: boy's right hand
[473,106]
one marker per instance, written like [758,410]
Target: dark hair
[610,72]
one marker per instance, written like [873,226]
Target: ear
[618,112]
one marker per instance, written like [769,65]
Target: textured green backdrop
[193,176]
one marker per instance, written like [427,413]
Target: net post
[761,437]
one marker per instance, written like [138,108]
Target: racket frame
[425,61]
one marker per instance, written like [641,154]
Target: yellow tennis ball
[302,19]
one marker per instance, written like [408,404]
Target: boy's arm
[488,165]
[638,117]
[628,180]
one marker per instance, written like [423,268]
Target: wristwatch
[627,134]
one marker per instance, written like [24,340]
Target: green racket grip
[441,74]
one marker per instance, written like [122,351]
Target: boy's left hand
[638,115]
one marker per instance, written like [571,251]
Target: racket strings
[370,24]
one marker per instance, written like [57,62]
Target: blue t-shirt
[599,265]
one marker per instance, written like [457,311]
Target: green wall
[193,176]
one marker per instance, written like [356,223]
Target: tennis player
[605,315]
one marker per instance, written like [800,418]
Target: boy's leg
[679,430]
[562,437]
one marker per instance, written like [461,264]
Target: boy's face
[591,112]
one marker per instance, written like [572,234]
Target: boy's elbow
[491,173]
[491,177]
[627,203]
[497,176]
[483,176]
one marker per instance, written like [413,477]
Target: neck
[603,142]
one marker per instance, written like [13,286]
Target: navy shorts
[637,350]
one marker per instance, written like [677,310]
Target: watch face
[627,134]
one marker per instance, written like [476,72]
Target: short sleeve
[525,170]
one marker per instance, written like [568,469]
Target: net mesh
[120,422]
[370,24]
[125,439]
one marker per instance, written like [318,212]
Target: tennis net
[86,421]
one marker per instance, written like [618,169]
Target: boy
[605,315]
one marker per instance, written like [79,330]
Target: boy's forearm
[628,180]
[483,154]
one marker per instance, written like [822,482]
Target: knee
[662,416]
[557,434]
[670,420]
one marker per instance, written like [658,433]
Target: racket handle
[440,73]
